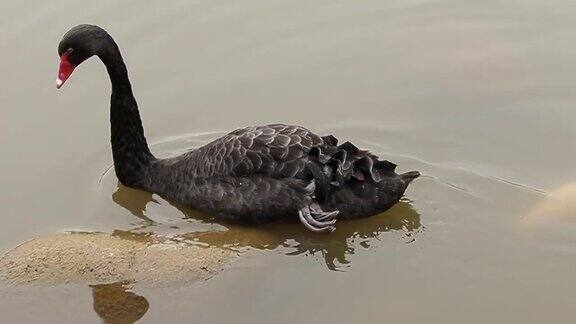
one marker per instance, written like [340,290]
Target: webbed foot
[317,220]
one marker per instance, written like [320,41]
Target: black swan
[256,173]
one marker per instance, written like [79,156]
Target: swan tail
[332,165]
[409,176]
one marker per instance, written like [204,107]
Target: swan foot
[317,220]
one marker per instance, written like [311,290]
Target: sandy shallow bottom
[96,258]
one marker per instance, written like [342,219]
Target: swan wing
[275,150]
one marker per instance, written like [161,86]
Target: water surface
[477,95]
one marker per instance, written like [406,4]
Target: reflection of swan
[135,203]
[335,248]
[115,304]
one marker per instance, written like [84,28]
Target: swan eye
[70,53]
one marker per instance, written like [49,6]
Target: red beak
[64,71]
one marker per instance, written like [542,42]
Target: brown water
[477,95]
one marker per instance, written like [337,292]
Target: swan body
[257,173]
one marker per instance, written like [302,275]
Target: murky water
[477,95]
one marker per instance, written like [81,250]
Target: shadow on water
[288,236]
[115,304]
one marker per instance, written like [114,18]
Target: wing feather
[256,150]
[284,151]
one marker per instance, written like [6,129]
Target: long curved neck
[129,147]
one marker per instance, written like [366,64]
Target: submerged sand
[103,258]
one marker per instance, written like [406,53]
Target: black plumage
[256,173]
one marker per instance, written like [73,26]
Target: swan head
[79,44]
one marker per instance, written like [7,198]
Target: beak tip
[59,83]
